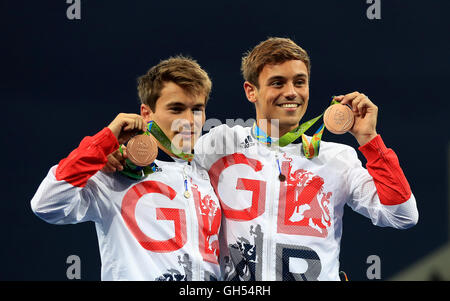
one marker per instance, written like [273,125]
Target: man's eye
[276,84]
[299,83]
[177,110]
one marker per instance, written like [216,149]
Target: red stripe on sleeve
[87,159]
[384,167]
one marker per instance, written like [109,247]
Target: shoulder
[224,130]
[222,136]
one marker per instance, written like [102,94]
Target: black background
[65,79]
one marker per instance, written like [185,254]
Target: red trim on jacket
[384,167]
[87,159]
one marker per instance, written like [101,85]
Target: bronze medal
[142,150]
[282,177]
[338,119]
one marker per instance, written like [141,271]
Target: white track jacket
[147,229]
[291,230]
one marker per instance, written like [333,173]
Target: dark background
[65,79]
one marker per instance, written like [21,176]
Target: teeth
[289,105]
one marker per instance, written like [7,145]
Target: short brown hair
[271,51]
[181,70]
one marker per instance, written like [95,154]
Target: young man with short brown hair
[283,200]
[154,222]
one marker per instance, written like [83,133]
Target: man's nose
[290,93]
[189,118]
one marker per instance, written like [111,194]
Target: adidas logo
[248,142]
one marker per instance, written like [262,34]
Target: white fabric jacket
[147,229]
[291,230]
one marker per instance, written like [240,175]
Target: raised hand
[125,126]
[365,112]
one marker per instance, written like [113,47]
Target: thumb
[339,98]
[125,153]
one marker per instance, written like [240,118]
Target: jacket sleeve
[381,192]
[69,193]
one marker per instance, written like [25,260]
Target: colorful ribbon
[156,131]
[310,148]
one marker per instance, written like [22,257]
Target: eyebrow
[176,104]
[276,77]
[301,75]
[182,104]
[279,77]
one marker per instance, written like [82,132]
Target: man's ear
[250,91]
[146,113]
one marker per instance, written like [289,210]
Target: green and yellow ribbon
[310,148]
[156,131]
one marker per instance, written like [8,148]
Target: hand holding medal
[136,159]
[125,126]
[142,149]
[365,114]
[353,112]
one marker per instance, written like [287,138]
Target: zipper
[197,258]
[272,225]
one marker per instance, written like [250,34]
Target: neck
[272,128]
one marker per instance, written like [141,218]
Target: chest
[305,202]
[166,210]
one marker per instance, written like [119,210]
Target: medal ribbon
[156,131]
[310,148]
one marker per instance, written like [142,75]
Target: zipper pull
[281,177]
[186,194]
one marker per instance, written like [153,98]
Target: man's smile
[186,134]
[289,106]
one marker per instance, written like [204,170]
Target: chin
[291,121]
[187,149]
[187,146]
